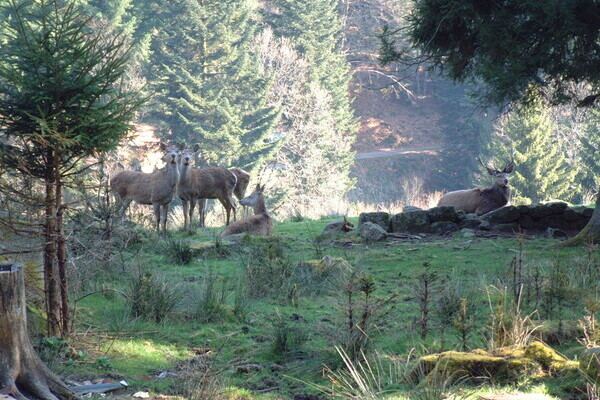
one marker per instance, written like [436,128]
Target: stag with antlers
[482,200]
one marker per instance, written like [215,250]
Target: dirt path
[389,153]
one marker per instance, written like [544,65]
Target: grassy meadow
[188,315]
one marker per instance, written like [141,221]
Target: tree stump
[22,374]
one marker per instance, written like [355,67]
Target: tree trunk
[50,274]
[61,254]
[591,232]
[22,374]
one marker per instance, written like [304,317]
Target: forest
[299,200]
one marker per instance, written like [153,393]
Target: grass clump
[178,251]
[152,296]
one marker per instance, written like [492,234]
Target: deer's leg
[157,215]
[184,206]
[191,211]
[165,213]
[201,211]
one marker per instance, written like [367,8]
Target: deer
[203,183]
[156,188]
[243,179]
[260,224]
[482,200]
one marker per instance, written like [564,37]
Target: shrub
[212,302]
[152,296]
[178,251]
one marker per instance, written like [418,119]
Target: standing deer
[482,200]
[260,223]
[203,183]
[243,179]
[156,188]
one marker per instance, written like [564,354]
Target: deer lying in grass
[203,183]
[260,224]
[243,179]
[156,188]
[482,200]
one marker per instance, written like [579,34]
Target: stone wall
[440,220]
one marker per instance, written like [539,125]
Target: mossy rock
[546,356]
[504,365]
[477,364]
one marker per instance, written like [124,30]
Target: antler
[490,170]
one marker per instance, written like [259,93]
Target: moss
[504,365]
[546,356]
[477,364]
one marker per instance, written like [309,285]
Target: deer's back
[144,188]
[466,200]
[259,225]
[208,183]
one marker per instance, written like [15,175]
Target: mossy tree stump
[22,374]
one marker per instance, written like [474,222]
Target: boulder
[410,221]
[443,213]
[502,215]
[526,222]
[571,215]
[441,227]
[557,207]
[585,212]
[511,227]
[540,211]
[484,225]
[371,232]
[470,223]
[337,226]
[467,233]
[523,209]
[380,218]
[411,208]
[555,233]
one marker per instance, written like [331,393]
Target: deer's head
[500,174]
[253,198]
[186,155]
[170,153]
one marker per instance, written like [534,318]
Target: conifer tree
[589,154]
[207,81]
[542,172]
[315,27]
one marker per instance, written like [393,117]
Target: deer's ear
[196,147]
[163,146]
[491,171]
[509,169]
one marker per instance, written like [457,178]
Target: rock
[471,223]
[467,232]
[502,215]
[540,211]
[442,227]
[443,213]
[380,218]
[410,221]
[555,233]
[337,226]
[484,225]
[545,355]
[523,210]
[571,215]
[590,361]
[512,227]
[585,212]
[557,207]
[526,222]
[371,232]
[246,368]
[461,215]
[411,208]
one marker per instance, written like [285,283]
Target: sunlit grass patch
[140,357]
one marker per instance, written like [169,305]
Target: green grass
[138,349]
